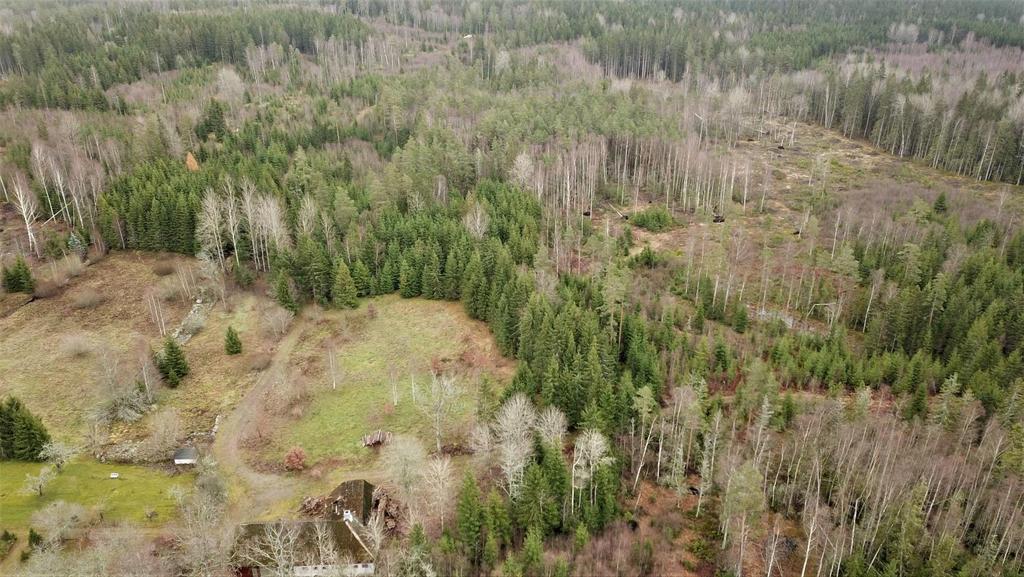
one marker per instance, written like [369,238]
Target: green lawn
[88,483]
[405,337]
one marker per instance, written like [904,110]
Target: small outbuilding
[186,456]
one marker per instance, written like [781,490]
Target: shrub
[295,459]
[654,219]
[87,298]
[278,320]
[45,289]
[75,345]
[163,268]
[259,361]
[7,541]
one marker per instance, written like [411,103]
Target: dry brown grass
[75,345]
[56,379]
[87,298]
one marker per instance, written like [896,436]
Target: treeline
[974,133]
[70,59]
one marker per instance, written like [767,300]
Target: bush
[295,459]
[259,361]
[87,298]
[654,219]
[164,268]
[45,289]
[75,345]
[7,541]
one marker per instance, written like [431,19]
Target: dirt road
[259,491]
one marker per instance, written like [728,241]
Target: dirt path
[260,490]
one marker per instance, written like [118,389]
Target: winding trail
[260,491]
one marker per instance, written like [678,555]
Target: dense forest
[762,257]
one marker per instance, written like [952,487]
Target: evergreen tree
[533,551]
[474,288]
[213,122]
[497,519]
[30,436]
[408,286]
[172,363]
[431,278]
[361,278]
[344,291]
[22,434]
[470,519]
[232,344]
[283,293]
[18,278]
[9,408]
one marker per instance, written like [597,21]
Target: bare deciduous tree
[58,454]
[552,426]
[438,403]
[513,428]
[35,484]
[27,206]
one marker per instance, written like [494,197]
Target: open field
[378,361]
[104,312]
[88,483]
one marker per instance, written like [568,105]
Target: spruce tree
[361,278]
[8,409]
[470,519]
[533,551]
[430,280]
[344,291]
[30,436]
[172,363]
[283,293]
[232,344]
[18,277]
[407,285]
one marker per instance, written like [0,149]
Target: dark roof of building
[356,496]
[186,453]
[349,539]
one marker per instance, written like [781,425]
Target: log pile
[377,438]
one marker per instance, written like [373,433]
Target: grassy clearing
[35,363]
[216,380]
[406,338]
[88,483]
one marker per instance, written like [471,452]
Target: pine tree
[361,278]
[232,344]
[172,363]
[344,291]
